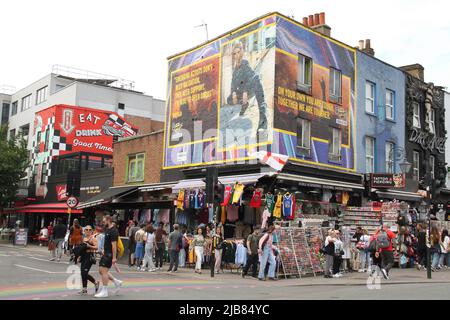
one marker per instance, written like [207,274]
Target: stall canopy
[60,207]
[157,186]
[399,195]
[107,196]
[322,183]
[189,184]
[244,179]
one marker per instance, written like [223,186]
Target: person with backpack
[385,238]
[364,256]
[328,250]
[265,250]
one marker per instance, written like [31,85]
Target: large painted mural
[238,94]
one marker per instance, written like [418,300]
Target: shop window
[370,155]
[335,85]
[390,157]
[334,153]
[416,115]
[136,167]
[304,73]
[416,164]
[390,100]
[370,97]
[303,134]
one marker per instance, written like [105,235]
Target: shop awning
[107,196]
[322,183]
[188,184]
[244,179]
[399,195]
[60,207]
[157,186]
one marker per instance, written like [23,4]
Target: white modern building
[5,102]
[77,87]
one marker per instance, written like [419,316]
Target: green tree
[13,163]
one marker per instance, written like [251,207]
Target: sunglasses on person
[87,229]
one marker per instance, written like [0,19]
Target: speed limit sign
[72,202]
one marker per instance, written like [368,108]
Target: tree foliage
[13,163]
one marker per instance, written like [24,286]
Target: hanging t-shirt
[256,199]
[186,200]
[270,202]
[200,200]
[345,198]
[232,213]
[237,193]
[278,206]
[192,197]
[288,206]
[249,215]
[227,195]
[164,214]
[180,199]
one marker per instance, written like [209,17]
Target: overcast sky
[132,38]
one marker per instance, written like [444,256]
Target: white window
[335,148]
[390,157]
[370,155]
[370,97]
[432,160]
[26,102]
[390,100]
[136,167]
[416,163]
[24,131]
[335,85]
[41,95]
[303,133]
[14,108]
[432,121]
[416,115]
[304,73]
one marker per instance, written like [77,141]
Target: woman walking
[75,238]
[87,259]
[364,257]
[445,256]
[217,244]
[198,244]
[149,239]
[435,239]
[139,252]
[329,252]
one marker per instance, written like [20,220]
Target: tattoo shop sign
[427,140]
[387,180]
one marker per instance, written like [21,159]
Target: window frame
[372,99]
[417,125]
[389,163]
[335,96]
[432,120]
[302,85]
[39,97]
[432,166]
[390,106]
[416,167]
[28,99]
[334,152]
[305,145]
[138,158]
[14,107]
[370,157]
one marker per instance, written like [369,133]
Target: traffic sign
[72,202]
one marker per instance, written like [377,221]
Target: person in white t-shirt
[43,236]
[445,246]
[364,257]
[149,240]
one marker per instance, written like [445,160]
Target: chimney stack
[317,23]
[366,48]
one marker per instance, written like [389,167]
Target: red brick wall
[151,145]
[145,125]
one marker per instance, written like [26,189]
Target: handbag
[51,245]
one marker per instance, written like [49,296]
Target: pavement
[26,273]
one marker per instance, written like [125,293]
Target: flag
[274,160]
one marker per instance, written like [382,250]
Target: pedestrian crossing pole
[212,177]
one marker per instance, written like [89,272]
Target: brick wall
[151,144]
[145,125]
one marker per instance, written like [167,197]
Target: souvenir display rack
[366,217]
[314,237]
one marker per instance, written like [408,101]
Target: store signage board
[387,180]
[21,237]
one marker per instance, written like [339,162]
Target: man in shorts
[109,257]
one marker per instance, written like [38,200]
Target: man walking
[252,253]
[266,251]
[132,243]
[160,245]
[109,257]
[59,232]
[384,241]
[175,243]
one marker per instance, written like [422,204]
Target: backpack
[383,240]
[372,246]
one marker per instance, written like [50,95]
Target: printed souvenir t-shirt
[111,235]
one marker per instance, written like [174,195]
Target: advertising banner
[61,192]
[21,237]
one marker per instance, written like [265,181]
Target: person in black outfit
[358,234]
[87,259]
[58,235]
[421,247]
[109,257]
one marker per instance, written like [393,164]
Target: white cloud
[132,39]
